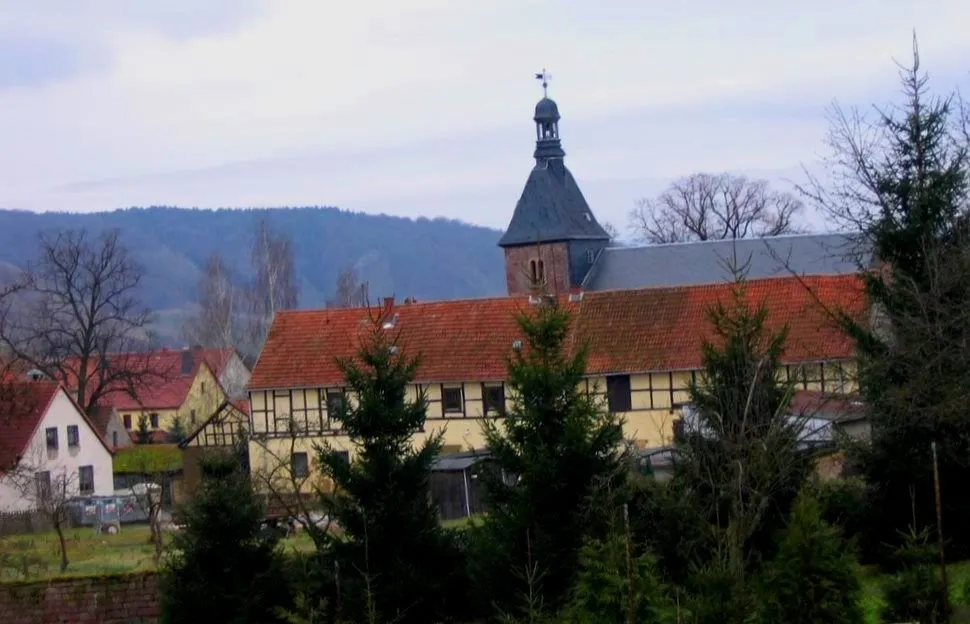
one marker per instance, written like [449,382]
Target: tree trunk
[63,543]
[154,521]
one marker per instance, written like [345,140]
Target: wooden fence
[25,522]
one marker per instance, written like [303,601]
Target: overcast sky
[423,107]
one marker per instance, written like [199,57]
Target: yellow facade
[204,396]
[650,403]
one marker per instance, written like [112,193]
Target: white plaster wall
[89,452]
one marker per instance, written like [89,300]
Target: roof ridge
[726,241]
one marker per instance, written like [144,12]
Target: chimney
[575,294]
[388,305]
[188,361]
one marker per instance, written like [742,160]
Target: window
[51,433]
[203,387]
[618,393]
[85,479]
[335,403]
[344,455]
[537,271]
[127,420]
[493,398]
[590,256]
[192,416]
[153,418]
[300,465]
[114,439]
[43,482]
[73,437]
[453,400]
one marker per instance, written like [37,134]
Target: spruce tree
[554,448]
[397,564]
[222,567]
[738,461]
[904,185]
[176,432]
[814,575]
[144,432]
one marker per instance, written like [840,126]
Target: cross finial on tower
[544,77]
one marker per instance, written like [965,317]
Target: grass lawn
[89,554]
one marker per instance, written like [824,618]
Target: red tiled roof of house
[22,407]
[826,405]
[626,331]
[165,387]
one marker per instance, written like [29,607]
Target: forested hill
[423,258]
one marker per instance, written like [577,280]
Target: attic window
[590,256]
[51,435]
[73,436]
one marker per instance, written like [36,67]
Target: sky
[424,107]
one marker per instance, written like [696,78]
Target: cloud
[423,107]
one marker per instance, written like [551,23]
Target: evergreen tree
[176,432]
[144,432]
[222,567]
[554,448]
[397,563]
[602,594]
[814,575]
[738,461]
[905,187]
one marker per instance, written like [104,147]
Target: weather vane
[544,77]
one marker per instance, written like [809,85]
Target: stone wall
[121,599]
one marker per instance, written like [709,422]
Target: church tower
[553,237]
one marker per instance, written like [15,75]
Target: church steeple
[553,237]
[548,144]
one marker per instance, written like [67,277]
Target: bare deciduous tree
[275,284]
[49,492]
[351,292]
[704,206]
[295,495]
[77,305]
[222,307]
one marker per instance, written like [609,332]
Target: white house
[48,445]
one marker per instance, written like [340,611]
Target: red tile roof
[829,406]
[165,388]
[22,407]
[626,331]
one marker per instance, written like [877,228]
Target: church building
[641,312]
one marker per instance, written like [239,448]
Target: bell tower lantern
[553,237]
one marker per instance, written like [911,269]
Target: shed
[455,488]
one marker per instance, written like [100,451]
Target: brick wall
[555,259]
[121,599]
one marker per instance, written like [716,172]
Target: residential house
[108,422]
[223,432]
[48,443]
[641,313]
[182,384]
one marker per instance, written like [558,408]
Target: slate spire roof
[551,207]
